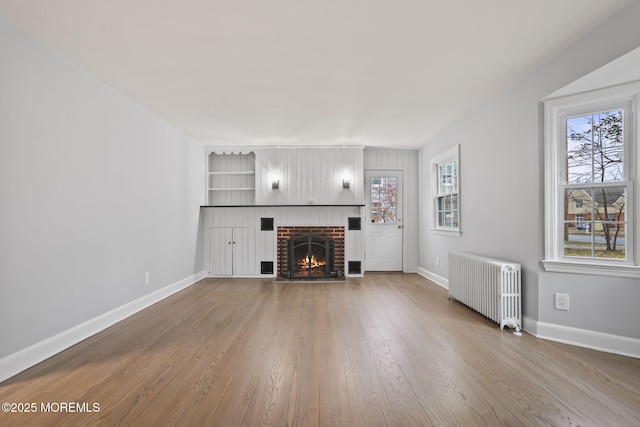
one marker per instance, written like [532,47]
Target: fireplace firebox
[310,256]
[310,253]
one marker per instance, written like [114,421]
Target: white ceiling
[293,72]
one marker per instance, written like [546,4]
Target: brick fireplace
[310,252]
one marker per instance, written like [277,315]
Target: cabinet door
[244,251]
[221,262]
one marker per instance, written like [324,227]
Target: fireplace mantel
[311,205]
[282,206]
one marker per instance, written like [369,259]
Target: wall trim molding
[15,363]
[438,280]
[616,344]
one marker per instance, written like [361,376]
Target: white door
[383,217]
[221,262]
[244,251]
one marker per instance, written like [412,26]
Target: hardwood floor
[387,349]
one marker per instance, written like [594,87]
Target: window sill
[576,267]
[445,232]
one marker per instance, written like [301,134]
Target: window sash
[591,176]
[589,232]
[446,196]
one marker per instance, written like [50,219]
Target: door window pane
[383,200]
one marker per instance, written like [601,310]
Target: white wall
[502,193]
[94,192]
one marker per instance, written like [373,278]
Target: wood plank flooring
[383,350]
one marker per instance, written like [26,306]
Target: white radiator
[489,286]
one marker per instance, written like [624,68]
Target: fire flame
[309,263]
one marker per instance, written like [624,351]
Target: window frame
[557,111]
[452,154]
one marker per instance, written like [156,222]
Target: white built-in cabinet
[233,251]
[231,179]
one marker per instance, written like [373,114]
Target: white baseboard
[438,280]
[17,362]
[600,341]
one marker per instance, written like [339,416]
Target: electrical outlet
[437,262]
[562,302]
[146,278]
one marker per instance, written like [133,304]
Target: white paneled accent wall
[305,176]
[310,175]
[310,193]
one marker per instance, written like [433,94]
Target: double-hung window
[446,192]
[590,170]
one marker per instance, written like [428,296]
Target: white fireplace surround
[253,246]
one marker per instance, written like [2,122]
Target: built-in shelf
[231,179]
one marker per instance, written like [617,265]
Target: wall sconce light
[346,183]
[275,184]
